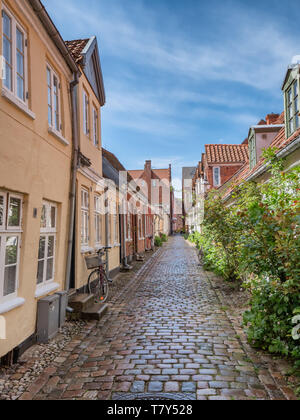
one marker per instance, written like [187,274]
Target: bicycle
[98,283]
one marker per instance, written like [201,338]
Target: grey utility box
[63,303]
[47,318]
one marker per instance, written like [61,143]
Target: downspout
[73,90]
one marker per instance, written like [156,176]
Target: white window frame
[98,215]
[14,228]
[216,184]
[96,136]
[5,233]
[4,196]
[292,107]
[47,232]
[86,113]
[85,219]
[53,75]
[14,26]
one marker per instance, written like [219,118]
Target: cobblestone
[167,332]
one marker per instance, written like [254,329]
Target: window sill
[10,305]
[45,290]
[19,104]
[58,136]
[85,249]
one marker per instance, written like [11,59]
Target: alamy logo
[2,328]
[2,68]
[296,330]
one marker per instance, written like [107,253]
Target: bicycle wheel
[98,286]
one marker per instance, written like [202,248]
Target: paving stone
[165,331]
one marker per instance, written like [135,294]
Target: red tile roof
[76,47]
[279,142]
[227,153]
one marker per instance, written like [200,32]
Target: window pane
[51,243]
[48,76]
[6,25]
[42,247]
[8,78]
[53,217]
[295,86]
[14,212]
[7,50]
[40,272]
[20,88]
[1,210]
[20,64]
[49,275]
[44,217]
[20,41]
[56,103]
[11,252]
[10,274]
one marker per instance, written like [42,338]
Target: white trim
[216,184]
[4,195]
[86,113]
[85,249]
[45,289]
[52,126]
[15,24]
[58,136]
[86,48]
[18,228]
[10,305]
[19,104]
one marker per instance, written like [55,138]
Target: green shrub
[164,238]
[257,238]
[157,241]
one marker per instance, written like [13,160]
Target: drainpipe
[73,89]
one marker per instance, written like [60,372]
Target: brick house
[156,184]
[133,240]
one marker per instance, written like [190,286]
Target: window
[47,244]
[14,51]
[85,217]
[98,220]
[292,108]
[216,175]
[86,114]
[95,127]
[54,118]
[10,241]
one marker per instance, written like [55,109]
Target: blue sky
[180,74]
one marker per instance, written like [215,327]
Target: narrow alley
[165,337]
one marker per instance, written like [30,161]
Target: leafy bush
[164,238]
[158,241]
[257,238]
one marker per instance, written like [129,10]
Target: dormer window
[217,177]
[292,108]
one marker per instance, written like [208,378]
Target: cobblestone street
[166,335]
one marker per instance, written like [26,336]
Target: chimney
[272,118]
[148,165]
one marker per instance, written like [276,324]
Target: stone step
[95,312]
[81,301]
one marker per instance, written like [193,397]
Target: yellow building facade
[35,165]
